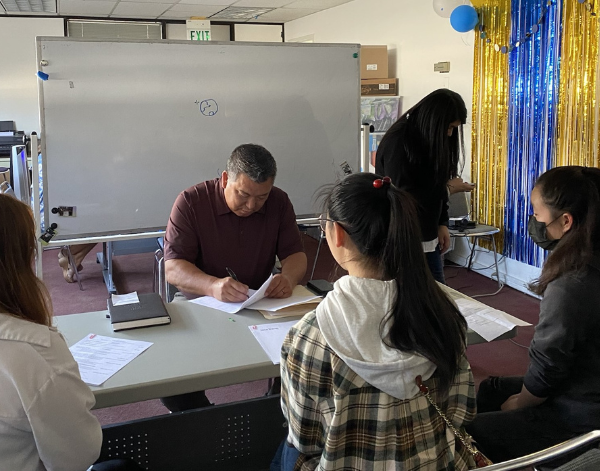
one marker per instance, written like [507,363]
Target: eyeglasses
[323,223]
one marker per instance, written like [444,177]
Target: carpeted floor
[134,273]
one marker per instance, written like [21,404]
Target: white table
[201,349]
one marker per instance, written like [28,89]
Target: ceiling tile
[262,3]
[85,7]
[316,4]
[197,10]
[284,14]
[221,3]
[150,1]
[140,10]
[176,15]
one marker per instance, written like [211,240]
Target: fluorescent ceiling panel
[238,13]
[29,6]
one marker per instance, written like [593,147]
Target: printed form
[271,337]
[486,321]
[99,357]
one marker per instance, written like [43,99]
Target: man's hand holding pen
[229,290]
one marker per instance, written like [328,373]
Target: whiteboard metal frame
[117,235]
[147,232]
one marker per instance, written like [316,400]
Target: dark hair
[383,225]
[22,294]
[574,190]
[252,160]
[423,133]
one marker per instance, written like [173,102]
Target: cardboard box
[380,87]
[373,62]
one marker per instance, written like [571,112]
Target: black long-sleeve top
[416,178]
[565,350]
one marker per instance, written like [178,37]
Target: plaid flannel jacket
[340,422]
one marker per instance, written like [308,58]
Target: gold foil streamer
[577,123]
[489,149]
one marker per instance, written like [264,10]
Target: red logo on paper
[92,336]
[254,327]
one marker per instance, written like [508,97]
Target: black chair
[237,436]
[579,453]
[458,209]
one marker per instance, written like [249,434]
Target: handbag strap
[480,460]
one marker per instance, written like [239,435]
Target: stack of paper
[305,301]
[258,301]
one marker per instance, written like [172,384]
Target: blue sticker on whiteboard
[209,107]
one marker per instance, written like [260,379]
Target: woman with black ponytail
[559,396]
[350,368]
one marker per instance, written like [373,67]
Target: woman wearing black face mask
[559,396]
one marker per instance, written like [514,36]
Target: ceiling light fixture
[240,13]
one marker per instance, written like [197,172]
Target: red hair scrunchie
[379,182]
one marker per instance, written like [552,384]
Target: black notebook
[149,311]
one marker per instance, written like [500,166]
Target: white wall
[416,38]
[258,33]
[18,82]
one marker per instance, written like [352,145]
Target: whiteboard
[127,125]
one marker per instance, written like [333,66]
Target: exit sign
[198,30]
[199,35]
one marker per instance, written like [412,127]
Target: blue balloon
[464,18]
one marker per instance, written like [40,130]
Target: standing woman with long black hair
[420,153]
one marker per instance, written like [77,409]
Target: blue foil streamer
[534,73]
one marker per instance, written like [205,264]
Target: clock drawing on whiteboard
[209,107]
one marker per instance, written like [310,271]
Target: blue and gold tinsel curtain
[534,106]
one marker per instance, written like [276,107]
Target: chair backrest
[564,454]
[458,206]
[242,435]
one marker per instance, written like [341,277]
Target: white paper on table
[99,357]
[122,299]
[232,308]
[486,321]
[271,337]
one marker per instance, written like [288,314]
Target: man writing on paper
[238,222]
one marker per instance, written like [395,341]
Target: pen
[231,274]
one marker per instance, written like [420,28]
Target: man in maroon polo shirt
[238,222]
